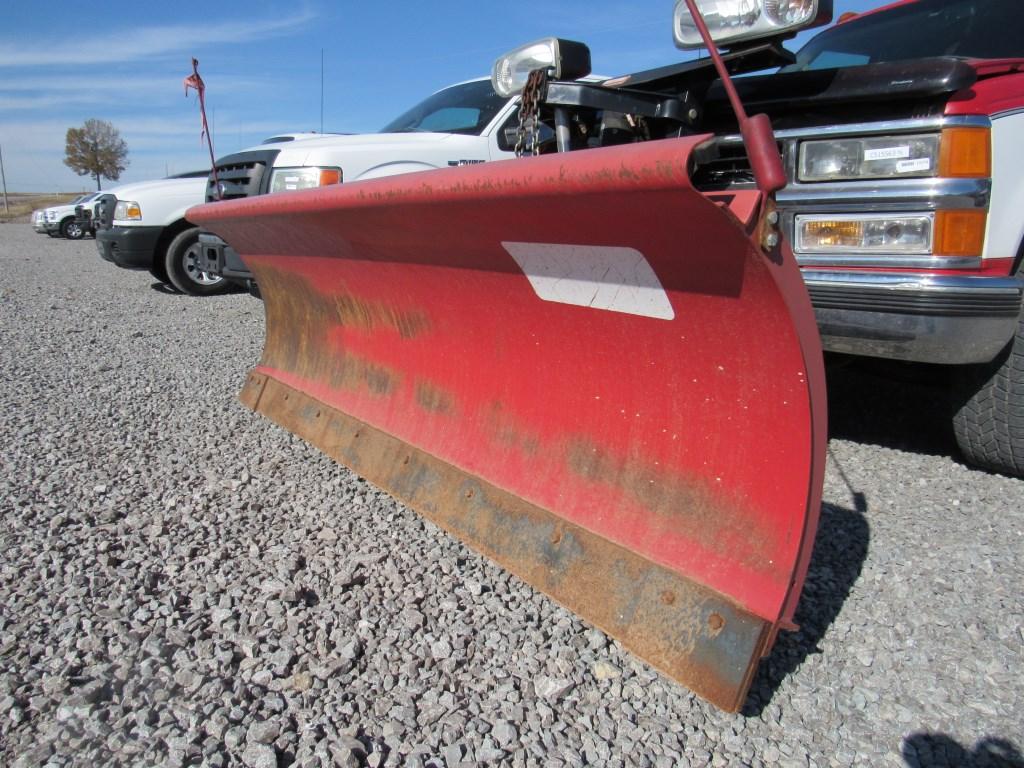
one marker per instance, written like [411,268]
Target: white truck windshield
[467,108]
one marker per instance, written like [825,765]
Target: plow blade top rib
[576,363]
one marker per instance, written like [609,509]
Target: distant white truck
[39,220]
[59,221]
[462,124]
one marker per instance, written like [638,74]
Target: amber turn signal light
[959,233]
[965,152]
[330,176]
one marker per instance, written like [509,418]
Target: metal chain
[527,136]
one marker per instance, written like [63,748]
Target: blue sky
[124,62]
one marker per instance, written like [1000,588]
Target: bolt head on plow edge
[579,365]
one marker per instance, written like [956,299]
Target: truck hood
[996,67]
[893,88]
[161,187]
[67,209]
[885,80]
[299,153]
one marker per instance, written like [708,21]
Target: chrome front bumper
[916,317]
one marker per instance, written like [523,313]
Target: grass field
[21,204]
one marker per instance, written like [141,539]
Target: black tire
[71,229]
[181,264]
[988,415]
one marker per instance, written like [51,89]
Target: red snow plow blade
[575,363]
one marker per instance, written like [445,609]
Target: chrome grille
[240,175]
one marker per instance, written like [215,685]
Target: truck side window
[451,120]
[508,130]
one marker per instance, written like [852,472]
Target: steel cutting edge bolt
[773,217]
[771,240]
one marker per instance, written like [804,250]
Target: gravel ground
[183,583]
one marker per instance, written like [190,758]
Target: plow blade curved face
[577,364]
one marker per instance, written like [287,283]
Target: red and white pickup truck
[901,132]
[905,201]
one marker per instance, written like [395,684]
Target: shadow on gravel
[890,404]
[172,291]
[840,549]
[923,750]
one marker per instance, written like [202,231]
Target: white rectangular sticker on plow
[612,278]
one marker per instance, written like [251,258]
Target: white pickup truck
[462,124]
[144,227]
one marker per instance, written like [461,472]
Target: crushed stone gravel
[184,583]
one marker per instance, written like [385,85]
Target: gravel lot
[183,583]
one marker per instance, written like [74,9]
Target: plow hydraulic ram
[578,364]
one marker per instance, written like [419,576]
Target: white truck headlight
[731,21]
[877,157]
[290,179]
[865,233]
[563,59]
[127,210]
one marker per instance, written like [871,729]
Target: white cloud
[139,133]
[34,149]
[12,103]
[44,171]
[67,96]
[33,136]
[123,84]
[145,42]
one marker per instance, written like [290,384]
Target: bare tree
[96,149]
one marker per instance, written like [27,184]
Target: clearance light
[290,179]
[871,233]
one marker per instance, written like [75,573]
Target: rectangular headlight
[732,21]
[877,157]
[868,233]
[563,60]
[126,210]
[290,179]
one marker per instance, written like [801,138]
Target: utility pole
[7,208]
[321,90]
